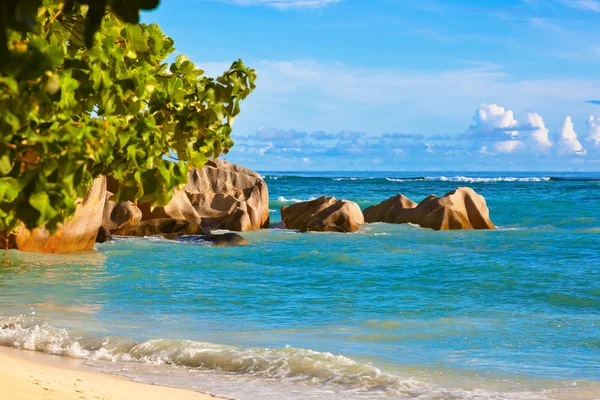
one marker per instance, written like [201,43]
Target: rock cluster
[462,208]
[226,196]
[219,196]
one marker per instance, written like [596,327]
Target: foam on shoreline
[257,372]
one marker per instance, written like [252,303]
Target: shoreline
[28,375]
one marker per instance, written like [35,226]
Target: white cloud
[585,5]
[493,122]
[263,150]
[484,151]
[509,146]
[291,93]
[567,140]
[539,134]
[593,125]
[283,4]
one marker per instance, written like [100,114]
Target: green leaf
[9,189]
[136,37]
[10,82]
[41,202]
[6,165]
[174,84]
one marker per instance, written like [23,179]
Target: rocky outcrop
[325,214]
[219,196]
[76,234]
[462,208]
[166,227]
[116,215]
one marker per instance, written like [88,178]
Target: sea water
[392,311]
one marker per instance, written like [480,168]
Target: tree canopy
[85,91]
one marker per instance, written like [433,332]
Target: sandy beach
[28,375]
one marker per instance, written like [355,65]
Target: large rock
[395,210]
[325,214]
[219,196]
[462,208]
[166,227]
[76,234]
[116,215]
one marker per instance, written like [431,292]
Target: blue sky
[404,85]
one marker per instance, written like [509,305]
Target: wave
[421,178]
[440,178]
[282,199]
[468,179]
[290,365]
[352,179]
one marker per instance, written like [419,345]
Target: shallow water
[393,311]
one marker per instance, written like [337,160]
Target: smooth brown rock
[325,214]
[103,236]
[166,227]
[116,215]
[219,196]
[395,210]
[462,208]
[76,234]
[229,239]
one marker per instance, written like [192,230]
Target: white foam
[284,373]
[283,199]
[352,179]
[395,180]
[467,179]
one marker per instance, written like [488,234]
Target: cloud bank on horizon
[494,136]
[383,84]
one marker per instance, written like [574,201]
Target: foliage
[70,112]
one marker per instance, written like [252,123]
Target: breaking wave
[468,179]
[282,199]
[300,367]
[433,178]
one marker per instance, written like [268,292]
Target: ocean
[392,311]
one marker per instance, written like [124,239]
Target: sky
[457,85]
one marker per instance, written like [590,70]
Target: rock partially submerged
[462,208]
[395,210]
[229,239]
[165,227]
[76,234]
[103,236]
[219,196]
[325,214]
[181,230]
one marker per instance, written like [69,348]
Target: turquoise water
[393,311]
